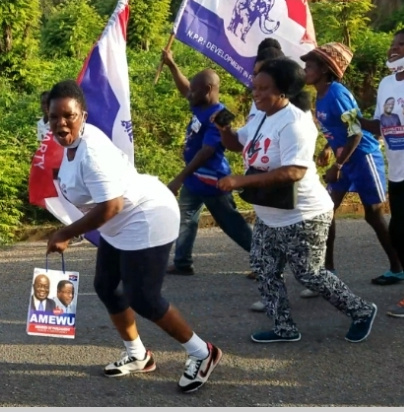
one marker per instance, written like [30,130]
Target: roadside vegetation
[43,42]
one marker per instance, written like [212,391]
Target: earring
[282,96]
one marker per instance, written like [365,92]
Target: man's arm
[180,80]
[198,161]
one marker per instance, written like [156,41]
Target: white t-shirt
[253,112]
[390,96]
[287,138]
[42,129]
[100,172]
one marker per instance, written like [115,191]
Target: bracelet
[338,165]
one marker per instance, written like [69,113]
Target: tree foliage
[19,26]
[147,18]
[71,29]
[342,21]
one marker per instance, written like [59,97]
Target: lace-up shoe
[129,364]
[197,371]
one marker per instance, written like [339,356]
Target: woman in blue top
[359,163]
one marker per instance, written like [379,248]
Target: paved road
[320,370]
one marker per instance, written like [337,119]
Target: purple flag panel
[101,101]
[228,32]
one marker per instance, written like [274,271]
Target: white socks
[135,348]
[196,347]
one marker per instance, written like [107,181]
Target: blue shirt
[328,113]
[200,131]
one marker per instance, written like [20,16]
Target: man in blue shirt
[359,163]
[205,164]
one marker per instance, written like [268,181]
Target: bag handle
[63,263]
[256,133]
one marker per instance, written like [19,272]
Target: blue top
[328,113]
[200,131]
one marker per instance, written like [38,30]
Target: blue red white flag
[229,32]
[105,81]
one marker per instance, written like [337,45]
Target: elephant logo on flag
[247,12]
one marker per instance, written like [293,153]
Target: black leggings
[396,225]
[142,274]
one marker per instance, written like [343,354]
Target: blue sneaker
[360,329]
[271,336]
[389,278]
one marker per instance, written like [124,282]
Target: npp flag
[105,81]
[229,31]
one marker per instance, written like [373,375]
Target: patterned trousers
[302,246]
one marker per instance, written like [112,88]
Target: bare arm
[349,147]
[198,161]
[228,135]
[230,139]
[180,80]
[280,176]
[92,220]
[277,177]
[333,173]
[371,125]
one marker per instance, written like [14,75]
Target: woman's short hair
[289,79]
[269,42]
[68,89]
[268,53]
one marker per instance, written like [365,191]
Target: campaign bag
[280,197]
[53,302]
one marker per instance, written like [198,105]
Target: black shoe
[173,270]
[270,336]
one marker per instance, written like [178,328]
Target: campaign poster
[53,303]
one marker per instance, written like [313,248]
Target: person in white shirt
[392,88]
[138,220]
[280,142]
[42,125]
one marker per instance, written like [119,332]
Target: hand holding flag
[229,32]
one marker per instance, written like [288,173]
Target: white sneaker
[257,307]
[129,364]
[307,293]
[197,371]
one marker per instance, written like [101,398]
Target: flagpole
[172,36]
[168,47]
